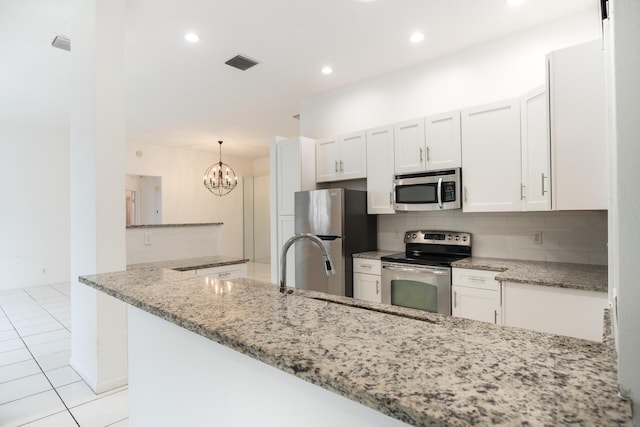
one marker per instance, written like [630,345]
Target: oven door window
[413,294]
[417,193]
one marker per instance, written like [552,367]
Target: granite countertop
[423,369]
[586,277]
[186,264]
[373,254]
[173,225]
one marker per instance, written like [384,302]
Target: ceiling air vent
[61,42]
[241,62]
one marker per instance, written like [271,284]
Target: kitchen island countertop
[423,369]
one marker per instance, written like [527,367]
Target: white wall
[34,219]
[626,176]
[504,68]
[167,243]
[185,200]
[566,236]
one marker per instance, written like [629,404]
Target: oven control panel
[438,237]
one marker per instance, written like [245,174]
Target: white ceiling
[182,94]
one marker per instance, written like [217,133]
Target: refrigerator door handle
[322,237]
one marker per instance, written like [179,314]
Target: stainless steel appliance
[427,191]
[339,218]
[420,277]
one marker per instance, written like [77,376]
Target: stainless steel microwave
[427,191]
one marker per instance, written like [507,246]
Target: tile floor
[37,386]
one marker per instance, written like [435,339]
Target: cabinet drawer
[367,266]
[224,272]
[480,279]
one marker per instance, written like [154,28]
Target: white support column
[99,339]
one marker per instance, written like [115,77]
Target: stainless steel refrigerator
[339,217]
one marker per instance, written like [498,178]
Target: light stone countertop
[424,369]
[374,254]
[186,264]
[173,225]
[586,277]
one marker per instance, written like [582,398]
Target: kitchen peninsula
[196,344]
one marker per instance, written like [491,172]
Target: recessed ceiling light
[192,37]
[514,2]
[416,37]
[327,70]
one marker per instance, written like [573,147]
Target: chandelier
[220,182]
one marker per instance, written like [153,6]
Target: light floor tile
[30,409]
[39,350]
[8,335]
[76,394]
[53,361]
[5,326]
[23,387]
[61,419]
[9,345]
[38,329]
[122,423]
[46,337]
[34,321]
[18,370]
[28,315]
[104,411]
[14,356]
[62,376]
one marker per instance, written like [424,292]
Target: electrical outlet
[537,237]
[147,238]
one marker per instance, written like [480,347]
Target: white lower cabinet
[223,272]
[570,312]
[475,294]
[367,281]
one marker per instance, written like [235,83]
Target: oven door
[415,286]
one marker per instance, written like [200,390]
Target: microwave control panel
[449,191]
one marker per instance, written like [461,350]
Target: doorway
[257,246]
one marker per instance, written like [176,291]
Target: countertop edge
[201,224]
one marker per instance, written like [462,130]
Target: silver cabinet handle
[476,279]
[522,187]
[495,317]
[439,190]
[428,154]
[420,154]
[336,166]
[225,274]
[377,287]
[416,270]
[465,194]
[366,265]
[341,166]
[455,299]
[390,197]
[543,190]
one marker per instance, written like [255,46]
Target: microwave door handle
[440,192]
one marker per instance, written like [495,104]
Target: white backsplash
[573,236]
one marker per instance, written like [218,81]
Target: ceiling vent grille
[241,62]
[61,42]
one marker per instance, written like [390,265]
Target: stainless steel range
[420,277]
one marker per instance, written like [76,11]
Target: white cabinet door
[287,175]
[578,140]
[409,141]
[224,272]
[570,312]
[366,287]
[476,304]
[380,170]
[327,160]
[443,141]
[286,230]
[491,157]
[353,156]
[536,162]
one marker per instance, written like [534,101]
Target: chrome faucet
[328,266]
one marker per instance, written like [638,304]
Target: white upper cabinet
[380,170]
[491,157]
[410,147]
[443,141]
[536,163]
[577,116]
[341,158]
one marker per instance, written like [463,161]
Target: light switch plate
[147,238]
[537,237]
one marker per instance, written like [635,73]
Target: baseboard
[103,386]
